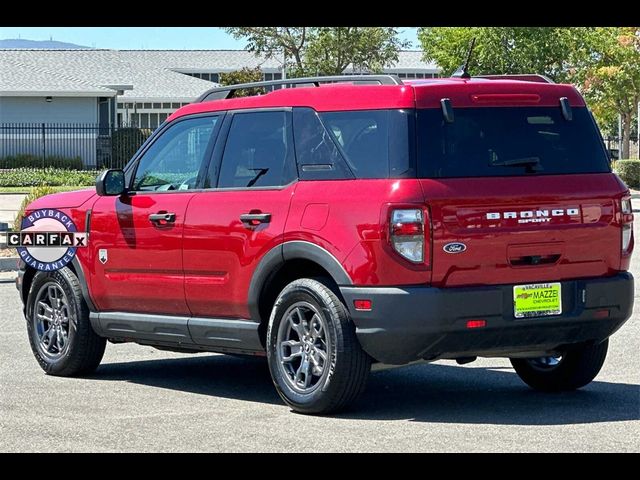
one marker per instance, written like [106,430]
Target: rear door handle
[253,219]
[162,218]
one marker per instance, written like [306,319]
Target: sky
[159,38]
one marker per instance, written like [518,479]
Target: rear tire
[577,367]
[60,333]
[315,359]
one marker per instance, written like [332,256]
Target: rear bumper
[412,323]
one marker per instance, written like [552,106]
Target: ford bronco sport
[351,221]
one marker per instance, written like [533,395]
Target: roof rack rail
[228,91]
[525,77]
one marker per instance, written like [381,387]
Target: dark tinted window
[505,141]
[316,151]
[258,151]
[173,161]
[374,143]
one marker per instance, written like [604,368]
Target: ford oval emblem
[454,247]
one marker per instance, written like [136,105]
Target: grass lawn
[27,189]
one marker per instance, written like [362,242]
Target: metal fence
[613,144]
[69,145]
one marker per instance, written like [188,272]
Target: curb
[8,277]
[8,264]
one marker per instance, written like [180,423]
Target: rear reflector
[476,323]
[364,305]
[601,314]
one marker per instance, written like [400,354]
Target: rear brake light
[407,233]
[476,323]
[363,305]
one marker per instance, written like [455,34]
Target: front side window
[258,151]
[173,161]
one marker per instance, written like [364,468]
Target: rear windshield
[508,141]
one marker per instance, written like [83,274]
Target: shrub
[31,177]
[35,193]
[629,172]
[124,143]
[27,160]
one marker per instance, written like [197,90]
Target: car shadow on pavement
[436,393]
[441,393]
[242,378]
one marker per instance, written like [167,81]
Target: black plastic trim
[269,263]
[311,251]
[214,334]
[83,280]
[411,323]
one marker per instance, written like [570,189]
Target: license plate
[537,300]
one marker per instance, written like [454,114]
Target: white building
[140,87]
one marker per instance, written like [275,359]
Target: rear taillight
[407,234]
[627,225]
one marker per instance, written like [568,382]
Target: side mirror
[110,183]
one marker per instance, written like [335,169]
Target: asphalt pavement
[142,399]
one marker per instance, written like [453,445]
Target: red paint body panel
[486,93]
[221,253]
[144,271]
[587,244]
[355,231]
[64,200]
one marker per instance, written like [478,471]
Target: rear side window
[360,144]
[508,141]
[258,151]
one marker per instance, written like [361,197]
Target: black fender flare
[276,258]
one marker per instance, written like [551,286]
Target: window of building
[120,105]
[166,105]
[175,105]
[268,76]
[172,162]
[215,77]
[258,151]
[277,76]
[128,105]
[144,120]
[147,106]
[157,105]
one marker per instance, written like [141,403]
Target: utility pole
[638,132]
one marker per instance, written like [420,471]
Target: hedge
[629,172]
[35,193]
[26,160]
[31,177]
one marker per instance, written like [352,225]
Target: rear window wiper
[532,163]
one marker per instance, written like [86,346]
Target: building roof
[409,61]
[155,75]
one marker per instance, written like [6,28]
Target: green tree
[544,50]
[611,80]
[324,50]
[245,75]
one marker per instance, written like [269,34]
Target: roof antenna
[463,70]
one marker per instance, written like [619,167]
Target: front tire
[577,367]
[60,334]
[315,359]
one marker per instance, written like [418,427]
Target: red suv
[358,220]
